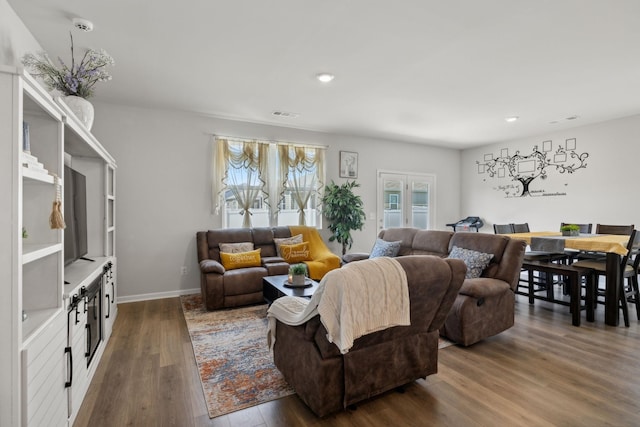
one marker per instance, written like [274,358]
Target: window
[258,184]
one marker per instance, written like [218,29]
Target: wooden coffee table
[273,287]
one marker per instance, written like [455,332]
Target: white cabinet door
[44,397]
[78,343]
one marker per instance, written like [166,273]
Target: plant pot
[82,109]
[298,280]
[570,232]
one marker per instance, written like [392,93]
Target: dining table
[613,246]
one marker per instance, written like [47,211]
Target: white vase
[82,108]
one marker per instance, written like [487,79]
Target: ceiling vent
[285,114]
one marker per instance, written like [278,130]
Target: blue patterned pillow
[384,248]
[475,261]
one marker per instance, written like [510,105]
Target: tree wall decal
[526,168]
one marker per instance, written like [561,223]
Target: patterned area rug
[230,347]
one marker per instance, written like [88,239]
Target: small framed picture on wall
[348,164]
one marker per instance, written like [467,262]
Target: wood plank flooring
[541,372]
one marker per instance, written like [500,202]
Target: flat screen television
[75,215]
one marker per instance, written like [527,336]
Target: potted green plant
[297,274]
[570,230]
[343,210]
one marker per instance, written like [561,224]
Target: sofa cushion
[295,253]
[234,248]
[474,260]
[240,260]
[286,241]
[383,248]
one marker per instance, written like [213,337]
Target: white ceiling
[430,71]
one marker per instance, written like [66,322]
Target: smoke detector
[83,24]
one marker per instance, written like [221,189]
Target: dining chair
[628,285]
[503,228]
[622,230]
[573,254]
[521,228]
[544,282]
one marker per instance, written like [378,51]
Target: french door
[405,200]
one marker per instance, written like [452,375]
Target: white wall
[15,38]
[603,192]
[163,186]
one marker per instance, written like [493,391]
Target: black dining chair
[628,285]
[503,228]
[622,230]
[543,282]
[521,228]
[572,254]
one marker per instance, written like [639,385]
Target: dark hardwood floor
[541,372]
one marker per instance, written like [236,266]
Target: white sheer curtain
[302,171]
[241,167]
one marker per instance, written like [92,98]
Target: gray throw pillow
[384,248]
[235,248]
[475,261]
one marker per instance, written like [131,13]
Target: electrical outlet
[183,270]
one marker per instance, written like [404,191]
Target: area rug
[230,347]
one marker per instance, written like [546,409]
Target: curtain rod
[269,141]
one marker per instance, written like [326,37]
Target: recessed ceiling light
[511,119]
[325,77]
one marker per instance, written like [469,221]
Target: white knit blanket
[357,299]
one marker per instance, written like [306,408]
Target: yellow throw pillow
[295,253]
[240,259]
[286,241]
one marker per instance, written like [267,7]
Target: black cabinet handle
[88,352]
[108,307]
[67,350]
[113,291]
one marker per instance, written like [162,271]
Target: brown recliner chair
[328,381]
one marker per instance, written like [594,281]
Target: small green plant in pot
[570,230]
[343,210]
[297,274]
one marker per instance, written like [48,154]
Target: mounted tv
[75,215]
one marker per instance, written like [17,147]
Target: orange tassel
[56,219]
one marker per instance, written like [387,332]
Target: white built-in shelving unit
[35,360]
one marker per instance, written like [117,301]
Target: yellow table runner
[593,243]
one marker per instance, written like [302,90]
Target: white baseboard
[156,295]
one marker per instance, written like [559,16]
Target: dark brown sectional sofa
[485,305]
[223,288]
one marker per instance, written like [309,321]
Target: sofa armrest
[355,256]
[483,287]
[211,266]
